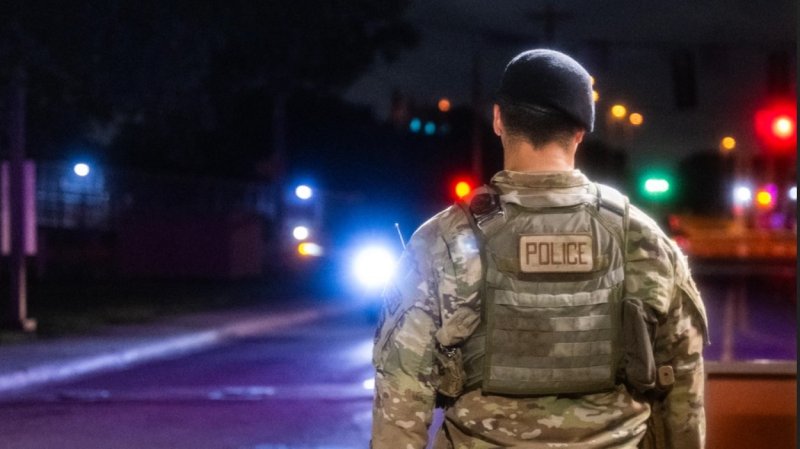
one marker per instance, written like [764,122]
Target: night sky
[629,46]
[200,88]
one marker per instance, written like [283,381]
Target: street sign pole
[18,316]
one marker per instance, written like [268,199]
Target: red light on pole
[776,126]
[462,189]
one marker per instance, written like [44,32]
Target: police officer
[545,310]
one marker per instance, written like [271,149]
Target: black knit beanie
[549,81]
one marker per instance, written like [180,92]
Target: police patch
[561,253]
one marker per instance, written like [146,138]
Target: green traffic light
[656,186]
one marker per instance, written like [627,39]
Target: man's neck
[521,156]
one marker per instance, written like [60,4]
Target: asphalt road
[300,389]
[752,315]
[304,388]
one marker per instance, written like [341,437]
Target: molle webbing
[550,333]
[548,344]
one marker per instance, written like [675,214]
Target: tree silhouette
[165,84]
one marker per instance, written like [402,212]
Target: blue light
[374,266]
[430,128]
[81,169]
[303,192]
[415,125]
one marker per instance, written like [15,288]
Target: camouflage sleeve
[403,352]
[658,274]
[679,343]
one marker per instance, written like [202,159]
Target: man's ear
[497,122]
[578,137]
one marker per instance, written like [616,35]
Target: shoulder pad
[612,199]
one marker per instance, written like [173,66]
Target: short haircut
[538,126]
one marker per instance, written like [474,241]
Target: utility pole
[477,147]
[18,310]
[280,100]
[549,17]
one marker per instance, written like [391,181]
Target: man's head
[545,96]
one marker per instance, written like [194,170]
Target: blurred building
[112,222]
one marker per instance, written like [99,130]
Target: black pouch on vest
[638,332]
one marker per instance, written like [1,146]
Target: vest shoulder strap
[614,201]
[485,212]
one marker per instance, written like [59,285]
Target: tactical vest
[553,285]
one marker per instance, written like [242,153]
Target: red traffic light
[776,126]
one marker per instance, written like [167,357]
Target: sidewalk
[32,363]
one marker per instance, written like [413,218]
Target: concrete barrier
[751,405]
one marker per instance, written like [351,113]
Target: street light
[742,195]
[727,144]
[444,105]
[636,119]
[300,232]
[81,169]
[764,198]
[619,111]
[415,125]
[303,192]
[309,249]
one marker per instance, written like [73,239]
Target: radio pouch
[638,329]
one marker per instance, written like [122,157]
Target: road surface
[308,387]
[300,389]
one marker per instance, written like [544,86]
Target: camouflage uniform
[437,288]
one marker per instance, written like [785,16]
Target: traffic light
[776,126]
[657,185]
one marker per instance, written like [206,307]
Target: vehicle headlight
[373,267]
